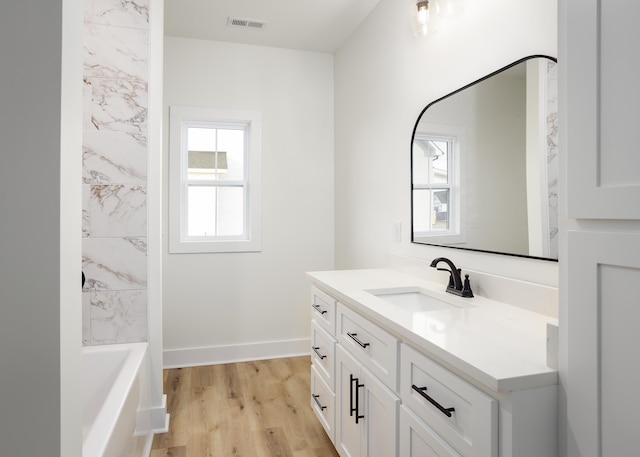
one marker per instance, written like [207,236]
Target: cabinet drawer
[420,440]
[323,402]
[373,347]
[323,310]
[323,353]
[472,428]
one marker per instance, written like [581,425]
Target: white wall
[40,227]
[213,300]
[384,77]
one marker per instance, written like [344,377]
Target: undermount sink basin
[414,299]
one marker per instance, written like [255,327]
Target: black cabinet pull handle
[358,385]
[354,409]
[317,308]
[353,337]
[423,392]
[315,398]
[351,408]
[316,350]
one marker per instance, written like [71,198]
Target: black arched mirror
[484,165]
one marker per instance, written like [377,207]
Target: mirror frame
[415,127]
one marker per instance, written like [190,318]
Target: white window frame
[456,234]
[180,119]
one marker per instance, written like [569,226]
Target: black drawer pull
[315,398]
[353,381]
[317,308]
[353,337]
[315,349]
[423,391]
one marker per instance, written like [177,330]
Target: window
[214,180]
[435,188]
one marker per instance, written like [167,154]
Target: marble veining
[116,52]
[115,263]
[114,157]
[123,13]
[118,317]
[86,191]
[117,105]
[118,210]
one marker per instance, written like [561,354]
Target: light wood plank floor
[250,409]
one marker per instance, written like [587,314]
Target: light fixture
[427,16]
[421,18]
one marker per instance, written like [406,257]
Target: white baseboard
[191,357]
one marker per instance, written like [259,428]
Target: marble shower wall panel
[115,52]
[116,65]
[114,157]
[115,263]
[86,197]
[118,210]
[116,105]
[118,317]
[123,13]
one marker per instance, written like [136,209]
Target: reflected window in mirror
[436,185]
[498,190]
[432,184]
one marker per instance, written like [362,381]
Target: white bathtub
[114,401]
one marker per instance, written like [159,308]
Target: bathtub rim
[103,426]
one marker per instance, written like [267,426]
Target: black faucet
[456,286]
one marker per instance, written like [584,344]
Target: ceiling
[310,25]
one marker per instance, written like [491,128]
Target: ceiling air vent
[245,23]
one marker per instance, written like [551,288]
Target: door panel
[603,400]
[602,68]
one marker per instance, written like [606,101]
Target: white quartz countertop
[496,345]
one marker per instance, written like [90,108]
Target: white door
[599,64]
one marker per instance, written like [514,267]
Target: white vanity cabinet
[383,389]
[323,359]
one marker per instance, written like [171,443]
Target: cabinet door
[600,265]
[419,440]
[381,417]
[349,440]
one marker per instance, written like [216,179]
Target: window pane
[230,211]
[439,155]
[201,139]
[430,161]
[430,210]
[440,213]
[201,211]
[421,205]
[231,141]
[420,163]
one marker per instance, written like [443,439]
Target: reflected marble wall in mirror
[484,164]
